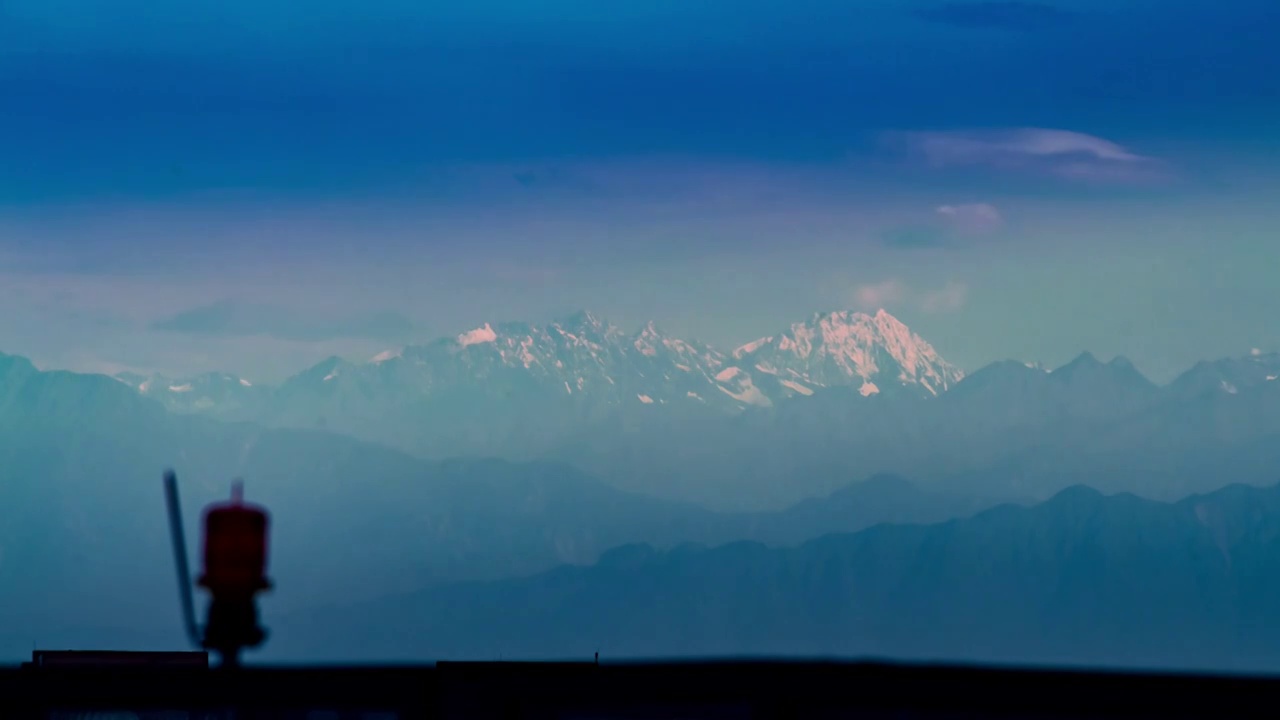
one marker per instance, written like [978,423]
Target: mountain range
[838,396]
[443,552]
[448,396]
[587,359]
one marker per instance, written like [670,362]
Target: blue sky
[1013,179]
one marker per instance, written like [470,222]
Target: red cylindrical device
[235,548]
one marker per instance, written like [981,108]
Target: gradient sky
[251,186]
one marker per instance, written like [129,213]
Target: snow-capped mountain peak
[648,340]
[584,358]
[652,342]
[583,365]
[588,325]
[872,352]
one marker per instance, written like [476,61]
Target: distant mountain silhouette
[83,539]
[1080,579]
[1229,375]
[1016,394]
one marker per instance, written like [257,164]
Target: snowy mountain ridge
[585,359]
[586,354]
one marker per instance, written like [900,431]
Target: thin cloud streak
[949,226]
[1064,154]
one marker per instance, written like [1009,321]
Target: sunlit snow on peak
[728,373]
[746,392]
[845,347]
[751,347]
[591,364]
[792,384]
[479,335]
[646,343]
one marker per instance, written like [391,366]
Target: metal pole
[180,558]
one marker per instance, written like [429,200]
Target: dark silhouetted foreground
[690,690]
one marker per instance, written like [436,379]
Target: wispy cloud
[879,295]
[894,294]
[230,319]
[948,298]
[971,217]
[949,225]
[1064,154]
[1003,15]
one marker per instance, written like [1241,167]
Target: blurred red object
[235,548]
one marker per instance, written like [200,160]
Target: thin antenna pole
[180,558]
